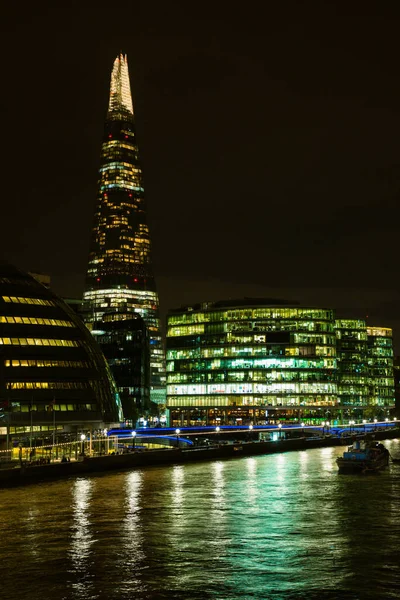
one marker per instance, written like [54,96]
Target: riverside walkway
[246,442]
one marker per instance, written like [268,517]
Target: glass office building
[248,361]
[380,362]
[119,277]
[252,361]
[51,369]
[353,362]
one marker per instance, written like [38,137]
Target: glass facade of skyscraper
[119,276]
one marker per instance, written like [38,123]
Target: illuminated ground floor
[247,415]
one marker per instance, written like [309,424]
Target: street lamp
[323,428]
[364,422]
[280,430]
[302,429]
[177,431]
[83,438]
[250,427]
[133,439]
[217,429]
[375,421]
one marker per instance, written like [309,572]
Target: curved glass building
[51,368]
[247,360]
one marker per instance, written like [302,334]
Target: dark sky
[270,142]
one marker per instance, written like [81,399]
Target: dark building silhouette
[125,342]
[119,277]
[51,368]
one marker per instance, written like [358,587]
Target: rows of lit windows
[230,376]
[263,351]
[38,342]
[37,301]
[120,165]
[46,363]
[383,342]
[275,401]
[21,407]
[116,145]
[359,389]
[122,184]
[384,352]
[379,331]
[121,293]
[250,313]
[243,363]
[44,385]
[298,338]
[253,388]
[37,321]
[350,324]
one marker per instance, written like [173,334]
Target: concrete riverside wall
[31,474]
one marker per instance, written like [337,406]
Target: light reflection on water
[278,526]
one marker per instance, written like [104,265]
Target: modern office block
[248,360]
[380,362]
[352,360]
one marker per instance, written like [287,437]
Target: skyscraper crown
[120,89]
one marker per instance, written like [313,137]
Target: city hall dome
[51,368]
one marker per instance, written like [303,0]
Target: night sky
[270,143]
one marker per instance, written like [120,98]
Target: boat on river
[363,457]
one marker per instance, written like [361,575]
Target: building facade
[119,277]
[380,362]
[250,361]
[125,343]
[353,363]
[51,369]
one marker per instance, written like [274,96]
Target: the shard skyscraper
[120,282]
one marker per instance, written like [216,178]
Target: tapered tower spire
[120,278]
[120,88]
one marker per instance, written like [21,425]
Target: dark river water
[277,526]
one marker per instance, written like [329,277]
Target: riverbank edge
[99,464]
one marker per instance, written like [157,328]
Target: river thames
[276,526]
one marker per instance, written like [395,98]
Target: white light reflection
[252,489]
[178,476]
[82,538]
[178,512]
[280,468]
[30,518]
[327,459]
[218,484]
[133,529]
[218,509]
[304,458]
